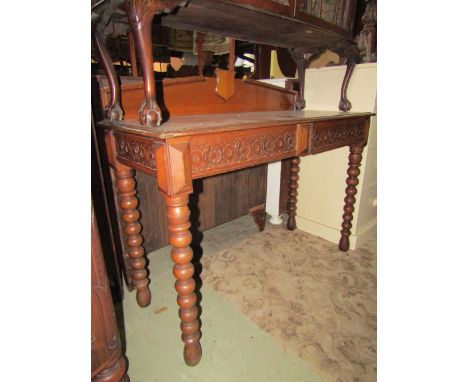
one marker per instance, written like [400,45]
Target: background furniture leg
[259,215]
[355,157]
[115,373]
[130,216]
[140,15]
[107,361]
[345,104]
[303,60]
[178,215]
[113,111]
[272,205]
[293,178]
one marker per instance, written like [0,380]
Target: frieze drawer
[329,135]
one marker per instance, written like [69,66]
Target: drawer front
[328,135]
[217,153]
[137,152]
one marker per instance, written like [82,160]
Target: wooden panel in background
[152,208]
[221,198]
[228,196]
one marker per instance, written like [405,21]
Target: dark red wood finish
[108,364]
[293,185]
[355,157]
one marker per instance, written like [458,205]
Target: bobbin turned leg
[293,178]
[130,216]
[178,215]
[355,157]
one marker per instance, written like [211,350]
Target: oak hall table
[197,146]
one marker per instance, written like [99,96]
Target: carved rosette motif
[136,150]
[337,135]
[241,150]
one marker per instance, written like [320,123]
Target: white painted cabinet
[322,176]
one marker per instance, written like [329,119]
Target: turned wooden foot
[115,373]
[178,215]
[293,178]
[355,157]
[130,216]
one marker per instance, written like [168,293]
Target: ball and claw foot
[114,113]
[344,105]
[143,297]
[150,114]
[300,104]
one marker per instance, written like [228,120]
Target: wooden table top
[212,123]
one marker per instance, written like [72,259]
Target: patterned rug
[317,302]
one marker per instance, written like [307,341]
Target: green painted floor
[234,348]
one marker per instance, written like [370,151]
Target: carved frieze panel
[232,150]
[136,150]
[332,134]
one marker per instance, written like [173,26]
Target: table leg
[355,157]
[303,60]
[293,178]
[113,111]
[140,15]
[351,53]
[345,104]
[178,215]
[130,216]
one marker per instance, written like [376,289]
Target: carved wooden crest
[225,86]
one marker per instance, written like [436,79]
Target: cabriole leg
[293,185]
[355,157]
[345,104]
[140,15]
[130,216]
[113,111]
[178,215]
